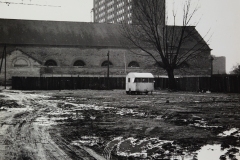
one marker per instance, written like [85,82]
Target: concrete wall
[28,61]
[219,65]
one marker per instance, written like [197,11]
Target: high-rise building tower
[118,11]
[219,65]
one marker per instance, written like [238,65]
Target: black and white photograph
[119,80]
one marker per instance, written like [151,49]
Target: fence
[68,83]
[216,83]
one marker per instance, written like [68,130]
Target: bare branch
[173,46]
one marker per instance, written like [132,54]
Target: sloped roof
[35,32]
[187,36]
[192,36]
[62,33]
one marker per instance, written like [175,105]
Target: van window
[151,80]
[144,80]
[137,80]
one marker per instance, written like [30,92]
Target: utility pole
[5,66]
[4,57]
[108,72]
[92,14]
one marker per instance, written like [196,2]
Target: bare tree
[236,69]
[172,47]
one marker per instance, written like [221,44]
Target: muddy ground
[92,124]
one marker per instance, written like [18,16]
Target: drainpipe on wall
[211,58]
[125,63]
[212,65]
[108,72]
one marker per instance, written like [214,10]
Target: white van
[137,83]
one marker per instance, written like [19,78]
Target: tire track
[25,137]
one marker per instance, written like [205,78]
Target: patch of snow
[138,148]
[44,121]
[202,124]
[21,98]
[124,111]
[213,152]
[234,132]
[87,141]
[88,106]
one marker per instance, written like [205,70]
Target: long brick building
[55,48]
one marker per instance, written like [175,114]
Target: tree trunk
[172,81]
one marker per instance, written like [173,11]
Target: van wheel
[146,93]
[127,92]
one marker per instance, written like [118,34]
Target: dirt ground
[92,124]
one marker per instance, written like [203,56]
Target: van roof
[142,75]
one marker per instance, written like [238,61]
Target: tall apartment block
[117,11]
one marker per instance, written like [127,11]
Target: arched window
[50,63]
[20,63]
[133,64]
[105,63]
[79,63]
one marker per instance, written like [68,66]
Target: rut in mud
[25,130]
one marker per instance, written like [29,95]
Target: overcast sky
[219,19]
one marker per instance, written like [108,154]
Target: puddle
[232,132]
[87,141]
[87,106]
[214,152]
[44,121]
[139,148]
[154,148]
[144,101]
[126,111]
[202,124]
[142,148]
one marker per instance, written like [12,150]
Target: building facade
[118,11]
[78,49]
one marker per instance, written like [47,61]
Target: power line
[30,4]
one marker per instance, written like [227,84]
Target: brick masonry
[35,57]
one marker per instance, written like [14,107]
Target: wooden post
[5,66]
[76,113]
[2,59]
